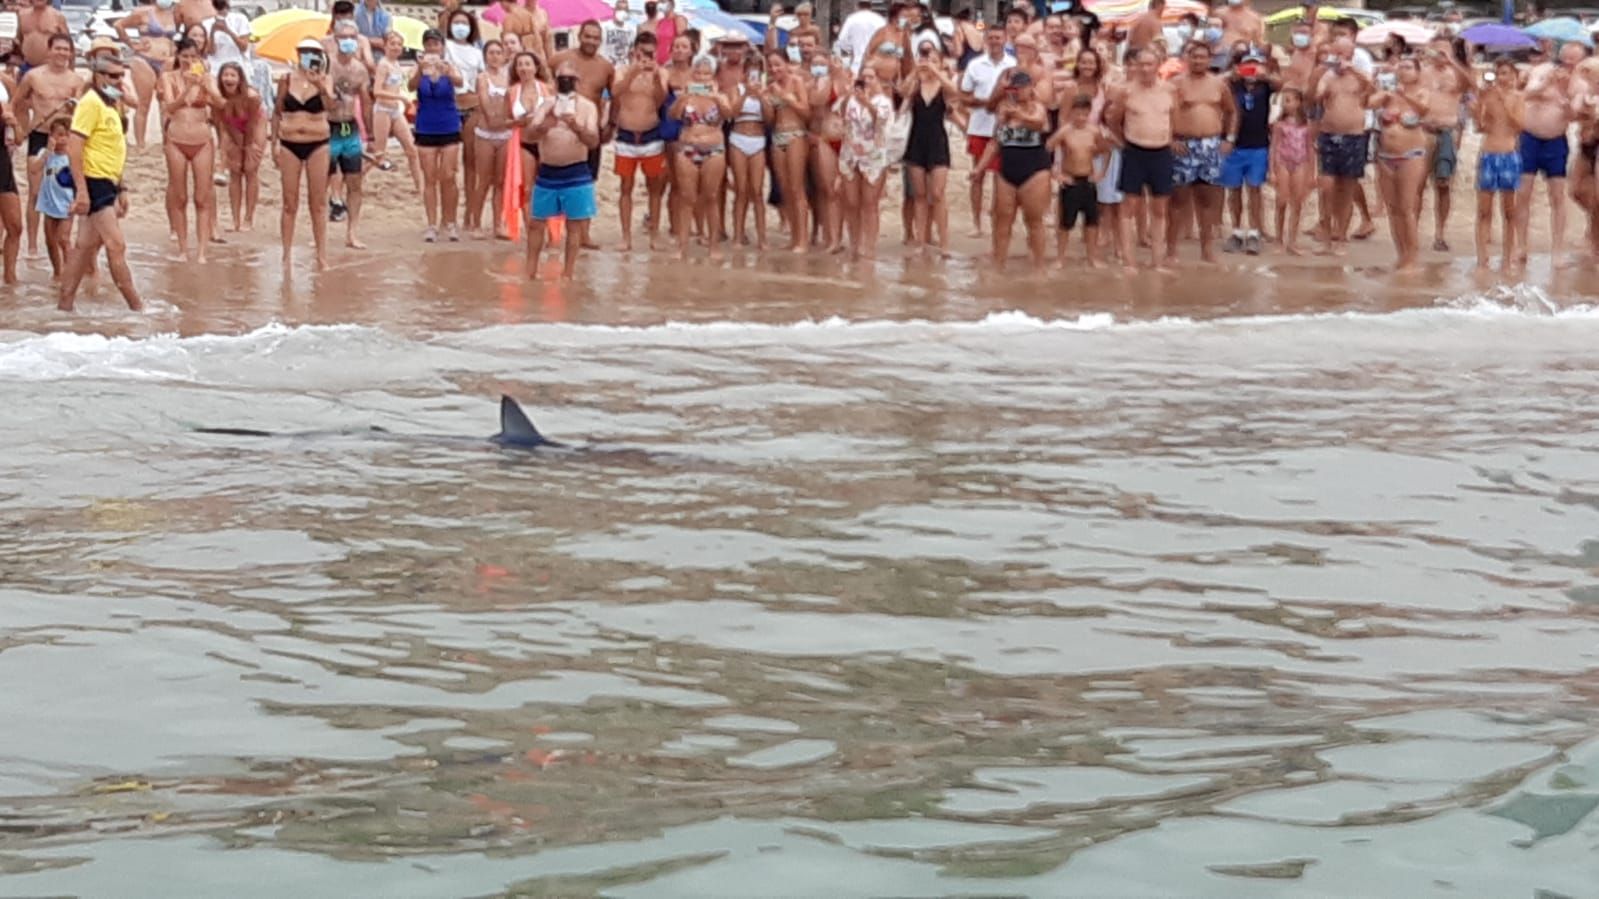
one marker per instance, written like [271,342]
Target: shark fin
[516,429]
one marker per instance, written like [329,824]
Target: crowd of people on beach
[1143,136]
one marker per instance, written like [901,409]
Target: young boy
[1500,112]
[55,199]
[1081,164]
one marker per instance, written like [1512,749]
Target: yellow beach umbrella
[411,30]
[281,44]
[263,25]
[1323,14]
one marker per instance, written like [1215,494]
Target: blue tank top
[436,112]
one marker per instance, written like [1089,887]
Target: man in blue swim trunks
[352,98]
[1500,113]
[567,128]
[1205,112]
[1552,94]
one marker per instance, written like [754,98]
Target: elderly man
[1554,98]
[98,150]
[1447,81]
[1141,114]
[566,127]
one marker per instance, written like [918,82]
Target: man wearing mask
[566,127]
[98,151]
[344,13]
[1303,55]
[352,99]
[374,23]
[617,36]
[596,80]
[856,35]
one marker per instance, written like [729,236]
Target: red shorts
[976,145]
[653,166]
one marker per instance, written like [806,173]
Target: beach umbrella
[1121,12]
[264,25]
[1563,29]
[713,23]
[1323,14]
[1413,32]
[1496,36]
[572,13]
[281,43]
[410,30]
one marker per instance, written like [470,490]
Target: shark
[517,432]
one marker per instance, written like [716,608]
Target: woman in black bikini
[300,128]
[933,97]
[1023,167]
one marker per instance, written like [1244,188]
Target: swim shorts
[1544,155]
[344,148]
[1499,172]
[640,150]
[1079,199]
[1342,155]
[1246,165]
[1200,164]
[1143,168]
[975,145]
[102,193]
[1444,157]
[563,190]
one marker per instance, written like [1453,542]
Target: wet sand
[406,283]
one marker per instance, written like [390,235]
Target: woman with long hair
[701,161]
[863,161]
[243,129]
[829,82]
[187,98]
[1401,107]
[438,135]
[530,83]
[747,156]
[789,97]
[300,129]
[462,52]
[933,97]
[388,109]
[493,132]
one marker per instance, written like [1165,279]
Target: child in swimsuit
[1292,172]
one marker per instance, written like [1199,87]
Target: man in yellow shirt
[98,150]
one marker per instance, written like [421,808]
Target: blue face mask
[819,70]
[1212,35]
[110,93]
[460,31]
[347,45]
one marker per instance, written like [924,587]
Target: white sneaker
[431,235]
[454,233]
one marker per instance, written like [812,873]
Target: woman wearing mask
[701,161]
[1401,105]
[389,99]
[300,130]
[790,100]
[933,97]
[747,158]
[462,53]
[1024,164]
[863,161]
[493,133]
[153,51]
[187,97]
[243,129]
[438,134]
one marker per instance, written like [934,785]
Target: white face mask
[1301,41]
[621,16]
[166,4]
[460,31]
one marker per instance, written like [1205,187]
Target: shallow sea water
[1294,605]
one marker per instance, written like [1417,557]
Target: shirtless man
[805,13]
[1140,114]
[1303,56]
[1205,112]
[636,111]
[530,23]
[1146,28]
[44,93]
[1341,92]
[1554,98]
[1500,113]
[35,25]
[596,80]
[567,128]
[352,100]
[1446,80]
[1240,22]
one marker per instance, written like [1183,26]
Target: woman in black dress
[932,96]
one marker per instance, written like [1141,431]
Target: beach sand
[402,280]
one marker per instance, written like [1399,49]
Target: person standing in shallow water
[97,152]
[567,128]
[1500,112]
[1447,80]
[1552,95]
[1139,113]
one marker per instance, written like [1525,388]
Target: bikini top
[496,90]
[1019,136]
[153,28]
[750,111]
[712,116]
[890,50]
[314,106]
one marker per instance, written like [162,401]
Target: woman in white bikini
[493,132]
[748,156]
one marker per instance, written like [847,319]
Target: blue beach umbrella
[721,22]
[1563,30]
